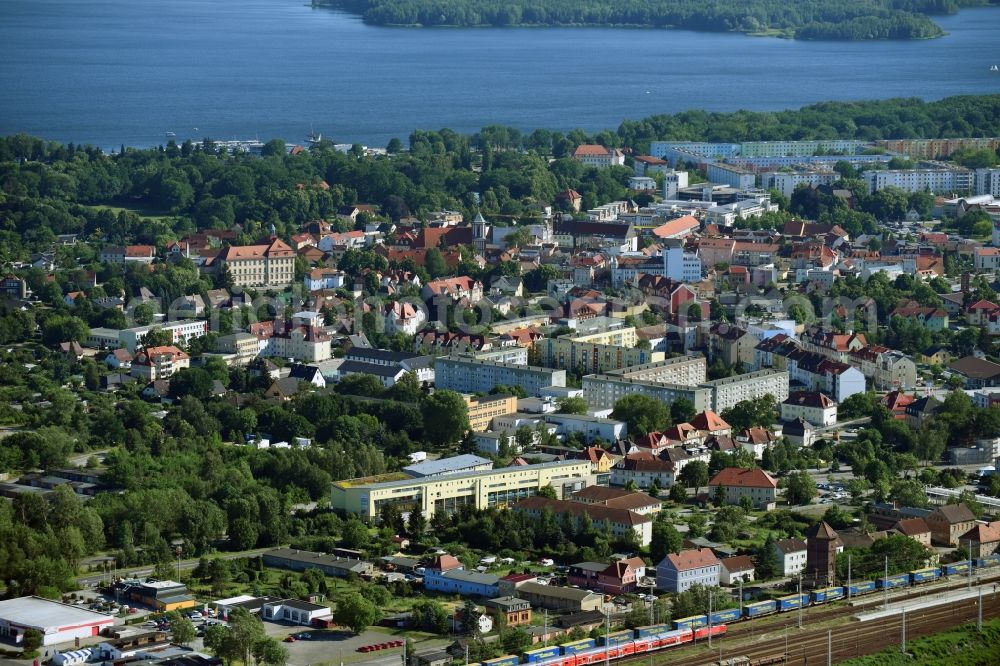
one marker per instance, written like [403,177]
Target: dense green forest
[805,19]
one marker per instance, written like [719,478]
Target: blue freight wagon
[576,647]
[532,656]
[692,622]
[724,616]
[617,638]
[509,660]
[760,608]
[793,601]
[988,561]
[896,580]
[956,568]
[864,587]
[651,630]
[827,594]
[925,575]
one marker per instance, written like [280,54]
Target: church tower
[480,232]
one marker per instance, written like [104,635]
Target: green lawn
[963,646]
[148,213]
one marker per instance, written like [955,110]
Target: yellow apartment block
[449,492]
[623,337]
[483,410]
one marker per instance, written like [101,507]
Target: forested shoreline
[851,20]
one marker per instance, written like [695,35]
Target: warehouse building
[57,622]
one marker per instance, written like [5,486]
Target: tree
[801,488]
[32,640]
[181,628]
[448,413]
[416,524]
[355,534]
[430,615]
[194,382]
[665,539]
[434,263]
[677,493]
[63,328]
[245,631]
[547,491]
[759,412]
[682,410]
[356,613]
[269,652]
[766,562]
[695,474]
[719,498]
[575,405]
[143,314]
[642,413]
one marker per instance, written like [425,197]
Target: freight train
[688,629]
[794,601]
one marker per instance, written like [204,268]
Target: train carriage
[862,587]
[896,580]
[957,568]
[988,561]
[925,575]
[827,594]
[673,637]
[651,630]
[508,660]
[617,638]
[759,608]
[577,647]
[541,654]
[793,601]
[724,616]
[693,622]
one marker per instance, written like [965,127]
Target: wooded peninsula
[850,20]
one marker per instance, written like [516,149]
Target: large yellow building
[449,492]
[483,410]
[271,264]
[624,337]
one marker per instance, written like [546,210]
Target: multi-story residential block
[181,332]
[732,344]
[619,523]
[888,369]
[644,470]
[598,156]
[155,363]
[139,254]
[305,343]
[679,265]
[483,410]
[737,483]
[986,258]
[466,374]
[812,406]
[622,336]
[949,522]
[270,264]
[481,489]
[730,175]
[456,288]
[13,286]
[922,180]
[243,346]
[935,149]
[786,182]
[791,555]
[988,182]
[617,498]
[678,572]
[729,391]
[587,357]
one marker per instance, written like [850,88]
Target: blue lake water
[127,71]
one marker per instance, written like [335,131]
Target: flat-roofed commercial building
[58,623]
[481,489]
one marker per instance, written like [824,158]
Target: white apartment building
[812,406]
[922,180]
[181,332]
[324,278]
[466,374]
[792,555]
[787,182]
[674,181]
[988,182]
[730,391]
[680,265]
[733,176]
[598,156]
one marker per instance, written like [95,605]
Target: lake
[109,72]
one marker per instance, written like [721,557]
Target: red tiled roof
[709,421]
[745,478]
[693,559]
[674,227]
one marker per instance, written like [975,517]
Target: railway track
[784,643]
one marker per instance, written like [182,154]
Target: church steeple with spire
[480,231]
